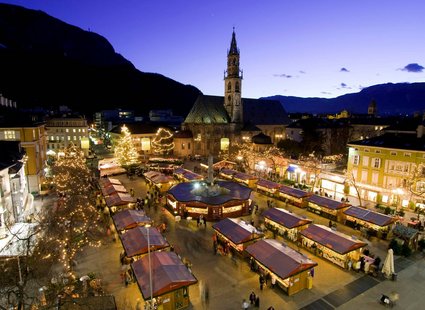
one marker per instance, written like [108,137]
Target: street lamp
[149,263]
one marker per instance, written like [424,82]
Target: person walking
[261,279]
[252,297]
[198,220]
[245,304]
[273,281]
[257,302]
[205,221]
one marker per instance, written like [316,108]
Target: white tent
[388,267]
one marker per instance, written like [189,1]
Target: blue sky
[302,48]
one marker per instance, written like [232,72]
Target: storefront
[334,246]
[135,241]
[292,270]
[285,223]
[333,185]
[234,235]
[376,224]
[221,200]
[268,187]
[326,207]
[128,219]
[293,196]
[170,280]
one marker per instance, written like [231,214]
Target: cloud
[283,75]
[326,93]
[301,71]
[344,70]
[414,67]
[343,86]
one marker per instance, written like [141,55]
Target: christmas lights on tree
[125,150]
[163,142]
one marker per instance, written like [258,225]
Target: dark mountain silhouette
[46,62]
[391,99]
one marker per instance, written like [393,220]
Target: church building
[218,122]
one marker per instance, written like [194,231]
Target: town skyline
[305,50]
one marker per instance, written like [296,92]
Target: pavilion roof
[285,218]
[295,192]
[118,199]
[135,241]
[326,202]
[129,218]
[370,216]
[268,184]
[237,230]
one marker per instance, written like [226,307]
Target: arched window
[229,86]
[229,99]
[237,87]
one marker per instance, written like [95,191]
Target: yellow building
[388,169]
[33,140]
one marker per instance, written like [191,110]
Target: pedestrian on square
[273,281]
[198,220]
[270,308]
[205,221]
[330,224]
[245,304]
[257,302]
[261,282]
[252,297]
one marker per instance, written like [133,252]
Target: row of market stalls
[291,270]
[184,175]
[158,179]
[152,261]
[115,194]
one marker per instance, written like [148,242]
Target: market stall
[285,223]
[292,270]
[234,235]
[135,241]
[185,175]
[293,195]
[326,207]
[119,201]
[170,280]
[407,235]
[161,181]
[128,219]
[109,166]
[105,181]
[375,223]
[227,173]
[247,179]
[332,245]
[112,189]
[268,187]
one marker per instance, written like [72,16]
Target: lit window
[74,130]
[69,138]
[75,138]
[407,154]
[224,144]
[356,159]
[67,130]
[393,153]
[376,163]
[9,135]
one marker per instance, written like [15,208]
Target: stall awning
[294,192]
[112,189]
[127,219]
[331,239]
[268,184]
[279,258]
[237,230]
[118,199]
[187,174]
[285,218]
[168,274]
[135,241]
[327,203]
[244,176]
[376,218]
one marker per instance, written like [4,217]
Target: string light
[163,142]
[125,150]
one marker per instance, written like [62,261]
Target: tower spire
[233,46]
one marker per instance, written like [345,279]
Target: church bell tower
[233,83]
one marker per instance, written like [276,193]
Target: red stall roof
[237,231]
[370,216]
[118,199]
[109,181]
[135,241]
[295,192]
[327,203]
[168,274]
[127,219]
[285,218]
[279,258]
[331,239]
[112,189]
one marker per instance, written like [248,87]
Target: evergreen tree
[163,142]
[125,150]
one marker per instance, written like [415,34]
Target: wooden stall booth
[184,175]
[235,234]
[334,246]
[406,234]
[135,241]
[376,224]
[170,280]
[268,187]
[285,223]
[247,179]
[128,219]
[326,207]
[293,196]
[292,270]
[119,201]
[159,180]
[227,173]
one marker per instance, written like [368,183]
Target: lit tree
[163,142]
[350,180]
[416,181]
[125,150]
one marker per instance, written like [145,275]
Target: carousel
[214,200]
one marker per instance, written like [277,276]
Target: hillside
[46,62]
[391,99]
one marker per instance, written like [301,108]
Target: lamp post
[150,268]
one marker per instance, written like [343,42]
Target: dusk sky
[299,48]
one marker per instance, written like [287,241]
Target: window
[9,135]
[375,178]
[75,138]
[364,176]
[74,130]
[229,86]
[378,151]
[365,161]
[366,150]
[224,144]
[407,154]
[67,130]
[393,153]
[237,86]
[356,159]
[188,146]
[69,138]
[182,146]
[376,163]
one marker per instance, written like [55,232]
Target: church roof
[264,112]
[208,110]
